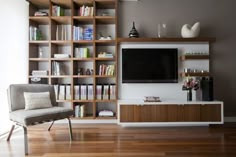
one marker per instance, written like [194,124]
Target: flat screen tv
[149,65]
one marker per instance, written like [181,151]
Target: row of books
[86,11]
[35,33]
[58,68]
[62,32]
[63,91]
[85,92]
[80,33]
[106,92]
[81,52]
[107,70]
[80,111]
[58,10]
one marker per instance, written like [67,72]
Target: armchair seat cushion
[32,117]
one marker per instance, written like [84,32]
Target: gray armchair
[25,118]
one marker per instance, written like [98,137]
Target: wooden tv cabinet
[169,113]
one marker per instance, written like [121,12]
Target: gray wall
[217,18]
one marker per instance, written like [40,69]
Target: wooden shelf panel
[105,42]
[40,42]
[63,3]
[104,117]
[62,19]
[64,100]
[105,76]
[83,101]
[83,76]
[39,59]
[84,118]
[105,20]
[106,101]
[61,59]
[195,74]
[83,19]
[105,59]
[84,2]
[200,39]
[84,42]
[83,59]
[41,4]
[38,76]
[44,20]
[61,76]
[105,4]
[194,57]
[62,42]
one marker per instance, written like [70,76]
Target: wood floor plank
[110,140]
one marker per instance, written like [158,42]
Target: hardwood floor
[112,140]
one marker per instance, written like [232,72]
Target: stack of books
[38,73]
[80,33]
[81,52]
[83,92]
[106,92]
[57,11]
[107,70]
[105,55]
[57,55]
[63,91]
[85,11]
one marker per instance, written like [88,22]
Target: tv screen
[144,65]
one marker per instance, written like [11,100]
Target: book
[68,92]
[90,92]
[105,92]
[56,90]
[112,92]
[62,91]
[77,111]
[77,92]
[99,92]
[83,89]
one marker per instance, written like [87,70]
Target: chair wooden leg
[50,126]
[10,132]
[25,140]
[70,129]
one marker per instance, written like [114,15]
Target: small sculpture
[133,32]
[104,38]
[190,32]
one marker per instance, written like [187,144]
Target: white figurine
[190,32]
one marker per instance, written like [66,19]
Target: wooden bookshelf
[54,41]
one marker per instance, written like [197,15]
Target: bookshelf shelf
[105,59]
[194,57]
[105,76]
[62,19]
[39,59]
[105,19]
[84,19]
[38,76]
[82,76]
[195,74]
[58,36]
[40,19]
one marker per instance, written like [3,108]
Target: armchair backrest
[16,98]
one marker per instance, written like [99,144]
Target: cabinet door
[152,113]
[127,113]
[175,113]
[192,113]
[211,113]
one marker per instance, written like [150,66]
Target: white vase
[190,32]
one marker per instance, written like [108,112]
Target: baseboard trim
[229,119]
